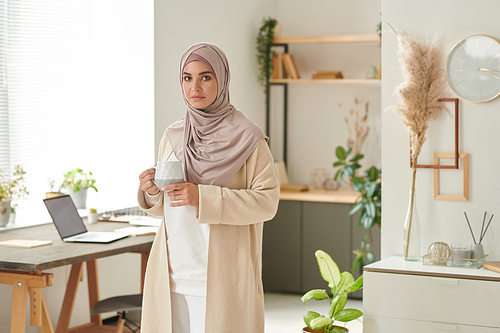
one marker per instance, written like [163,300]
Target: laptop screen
[65,216]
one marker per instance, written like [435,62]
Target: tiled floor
[284,313]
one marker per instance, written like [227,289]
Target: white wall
[316,111]
[233,26]
[451,20]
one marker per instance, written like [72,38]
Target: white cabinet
[390,325]
[409,297]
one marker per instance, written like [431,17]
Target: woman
[204,270]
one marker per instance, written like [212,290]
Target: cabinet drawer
[447,300]
[385,325]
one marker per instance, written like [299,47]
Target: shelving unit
[284,42]
[328,39]
[339,81]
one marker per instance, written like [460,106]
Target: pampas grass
[419,94]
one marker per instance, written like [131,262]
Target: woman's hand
[186,194]
[146,182]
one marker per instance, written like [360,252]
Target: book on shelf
[278,67]
[290,67]
[275,65]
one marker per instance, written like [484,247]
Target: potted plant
[368,204]
[92,218]
[53,193]
[340,285]
[12,188]
[77,182]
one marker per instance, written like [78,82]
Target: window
[74,93]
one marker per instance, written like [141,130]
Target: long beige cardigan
[235,300]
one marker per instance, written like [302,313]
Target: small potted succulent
[77,182]
[12,188]
[92,218]
[340,284]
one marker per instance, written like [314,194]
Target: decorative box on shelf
[429,260]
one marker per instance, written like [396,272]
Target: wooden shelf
[328,39]
[342,195]
[340,81]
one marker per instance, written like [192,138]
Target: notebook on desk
[70,226]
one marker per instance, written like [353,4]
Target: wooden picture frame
[456,154]
[447,197]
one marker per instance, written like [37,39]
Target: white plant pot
[79,198]
[4,213]
[92,218]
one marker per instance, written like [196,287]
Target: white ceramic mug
[167,173]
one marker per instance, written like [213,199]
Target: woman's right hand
[146,182]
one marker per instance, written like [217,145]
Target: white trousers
[188,313]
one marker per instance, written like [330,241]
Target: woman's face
[199,84]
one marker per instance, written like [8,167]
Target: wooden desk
[23,269]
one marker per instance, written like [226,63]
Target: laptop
[70,226]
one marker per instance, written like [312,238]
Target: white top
[187,248]
[399,265]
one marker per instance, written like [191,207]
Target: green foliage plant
[264,44]
[368,204]
[340,284]
[13,187]
[77,179]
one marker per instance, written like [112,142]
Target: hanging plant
[264,44]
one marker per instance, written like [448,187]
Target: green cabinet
[325,226]
[281,249]
[297,231]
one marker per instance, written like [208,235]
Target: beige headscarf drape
[212,143]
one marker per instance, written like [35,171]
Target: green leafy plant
[340,284]
[368,204]
[77,179]
[264,44]
[12,187]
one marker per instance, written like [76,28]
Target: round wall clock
[473,68]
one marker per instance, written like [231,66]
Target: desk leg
[144,263]
[21,283]
[46,323]
[69,298]
[93,289]
[35,306]
[18,315]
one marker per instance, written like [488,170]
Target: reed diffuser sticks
[482,234]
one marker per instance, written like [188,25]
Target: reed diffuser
[477,248]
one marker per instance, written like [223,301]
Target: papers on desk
[27,243]
[138,231]
[146,221]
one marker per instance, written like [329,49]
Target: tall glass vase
[414,230]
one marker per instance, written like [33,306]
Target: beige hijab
[212,143]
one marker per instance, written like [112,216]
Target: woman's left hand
[186,194]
